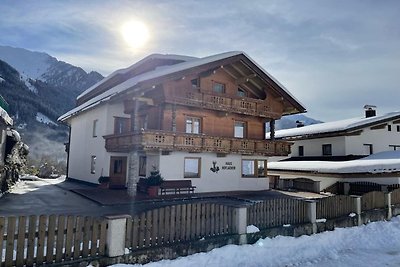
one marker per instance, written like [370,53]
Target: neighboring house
[345,139]
[202,119]
[381,168]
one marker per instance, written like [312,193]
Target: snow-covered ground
[375,244]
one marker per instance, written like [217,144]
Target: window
[301,151]
[192,168]
[327,150]
[398,128]
[368,149]
[240,129]
[94,132]
[117,168]
[121,125]
[93,165]
[254,168]
[241,92]
[142,165]
[219,87]
[195,83]
[395,147]
[389,127]
[192,125]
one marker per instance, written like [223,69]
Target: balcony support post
[272,129]
[174,118]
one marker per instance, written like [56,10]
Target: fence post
[116,231]
[357,204]
[346,188]
[388,203]
[241,224]
[312,214]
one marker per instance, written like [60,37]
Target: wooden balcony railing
[248,106]
[158,140]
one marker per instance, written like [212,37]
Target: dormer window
[241,92]
[218,87]
[195,83]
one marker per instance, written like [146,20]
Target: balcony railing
[248,106]
[159,140]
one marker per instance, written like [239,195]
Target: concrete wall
[172,168]
[83,145]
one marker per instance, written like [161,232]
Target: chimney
[370,111]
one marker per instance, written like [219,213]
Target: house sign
[228,166]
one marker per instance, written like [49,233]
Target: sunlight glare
[135,33]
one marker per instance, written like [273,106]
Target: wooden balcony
[168,141]
[245,105]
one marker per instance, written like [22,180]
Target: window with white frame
[192,167]
[193,125]
[254,168]
[240,129]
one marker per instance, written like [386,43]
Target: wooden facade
[229,107]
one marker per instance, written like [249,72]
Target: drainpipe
[68,149]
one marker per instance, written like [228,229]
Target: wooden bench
[176,187]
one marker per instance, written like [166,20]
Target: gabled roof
[342,126]
[163,71]
[384,162]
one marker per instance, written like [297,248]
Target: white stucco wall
[172,168]
[83,145]
[313,147]
[351,145]
[379,138]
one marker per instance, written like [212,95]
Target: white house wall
[172,168]
[313,147]
[379,138]
[84,145]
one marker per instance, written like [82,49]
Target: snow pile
[40,117]
[384,162]
[375,244]
[252,229]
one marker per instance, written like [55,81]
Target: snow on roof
[158,72]
[384,162]
[334,126]
[128,69]
[5,117]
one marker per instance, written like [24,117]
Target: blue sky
[334,56]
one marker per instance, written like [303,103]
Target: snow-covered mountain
[292,121]
[38,66]
[38,89]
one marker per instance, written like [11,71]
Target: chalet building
[345,139]
[341,151]
[201,119]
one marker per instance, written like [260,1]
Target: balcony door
[118,172]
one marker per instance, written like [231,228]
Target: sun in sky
[135,33]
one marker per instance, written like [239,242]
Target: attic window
[241,92]
[218,87]
[195,83]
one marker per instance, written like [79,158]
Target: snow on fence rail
[37,240]
[178,223]
[277,212]
[335,206]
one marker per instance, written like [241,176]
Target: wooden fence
[277,212]
[179,223]
[37,240]
[335,206]
[373,200]
[396,197]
